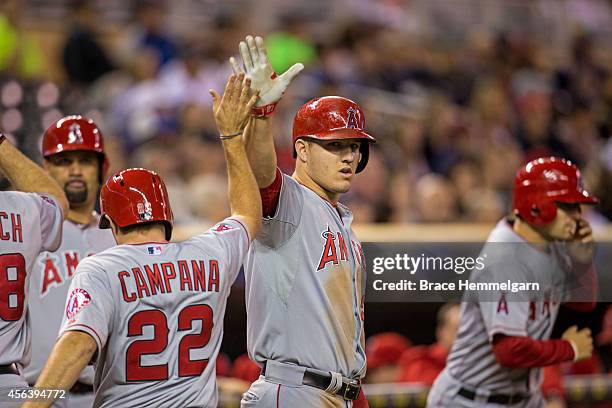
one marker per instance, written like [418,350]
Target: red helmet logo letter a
[75,135]
[351,122]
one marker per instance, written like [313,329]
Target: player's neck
[303,178]
[82,214]
[529,234]
[141,237]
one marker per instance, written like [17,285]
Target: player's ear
[112,225]
[302,149]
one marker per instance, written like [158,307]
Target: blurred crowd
[455,118]
[455,115]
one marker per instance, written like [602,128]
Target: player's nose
[75,168]
[349,155]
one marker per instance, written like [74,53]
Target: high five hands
[233,109]
[264,80]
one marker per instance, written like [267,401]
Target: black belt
[348,390]
[9,369]
[81,388]
[502,399]
[78,388]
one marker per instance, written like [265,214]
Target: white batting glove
[263,78]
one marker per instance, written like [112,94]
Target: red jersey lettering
[51,276]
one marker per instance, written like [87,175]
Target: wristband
[2,138]
[263,111]
[227,137]
[266,110]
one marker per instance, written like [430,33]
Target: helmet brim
[342,133]
[581,197]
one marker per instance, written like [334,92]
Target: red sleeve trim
[506,331]
[271,194]
[525,352]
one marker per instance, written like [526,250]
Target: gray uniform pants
[282,387]
[443,394]
[81,400]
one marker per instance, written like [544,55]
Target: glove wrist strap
[263,111]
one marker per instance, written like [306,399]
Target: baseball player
[305,277]
[73,148]
[150,312]
[503,341]
[30,221]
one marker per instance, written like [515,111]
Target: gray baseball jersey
[49,282]
[156,312]
[471,361]
[305,285]
[29,223]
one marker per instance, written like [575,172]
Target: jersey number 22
[134,371]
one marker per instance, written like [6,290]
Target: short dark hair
[145,226]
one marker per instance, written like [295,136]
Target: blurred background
[459,94]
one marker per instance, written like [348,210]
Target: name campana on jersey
[462,285]
[193,276]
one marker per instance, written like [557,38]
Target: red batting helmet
[245,369]
[135,196]
[331,118]
[72,133]
[385,348]
[543,182]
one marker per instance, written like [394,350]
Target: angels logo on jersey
[57,268]
[331,248]
[79,298]
[222,227]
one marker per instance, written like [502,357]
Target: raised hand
[582,248]
[233,109]
[257,67]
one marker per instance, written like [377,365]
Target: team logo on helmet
[145,211]
[79,298]
[553,175]
[75,135]
[351,121]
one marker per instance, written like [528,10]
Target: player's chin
[343,186]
